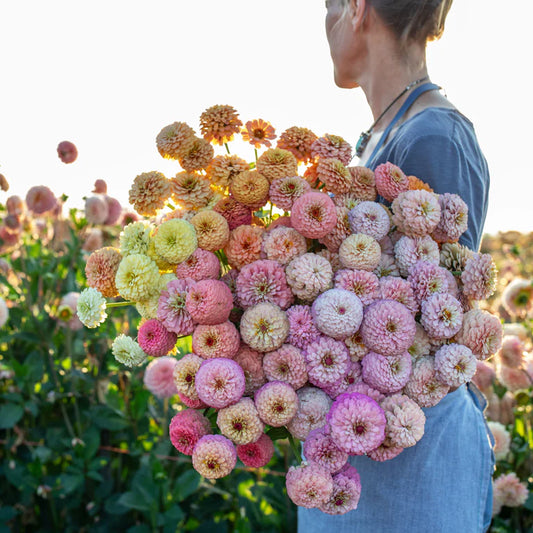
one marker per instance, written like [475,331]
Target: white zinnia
[127,351]
[502,439]
[91,308]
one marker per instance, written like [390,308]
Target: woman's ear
[357,12]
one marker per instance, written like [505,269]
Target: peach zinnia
[212,230]
[101,269]
[298,141]
[258,132]
[174,140]
[149,192]
[223,168]
[219,123]
[277,163]
[198,155]
[250,188]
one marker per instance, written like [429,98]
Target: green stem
[227,148]
[294,448]
[71,357]
[118,304]
[255,150]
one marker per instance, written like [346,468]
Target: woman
[443,484]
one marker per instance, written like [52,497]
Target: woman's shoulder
[434,122]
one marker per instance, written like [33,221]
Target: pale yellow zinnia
[137,278]
[175,240]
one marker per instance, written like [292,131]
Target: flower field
[157,359]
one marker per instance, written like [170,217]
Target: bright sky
[109,74]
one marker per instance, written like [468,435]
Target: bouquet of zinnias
[316,313]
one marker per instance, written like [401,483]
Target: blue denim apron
[441,485]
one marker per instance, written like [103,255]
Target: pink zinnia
[423,387]
[308,275]
[302,329]
[405,421]
[244,246]
[482,332]
[220,382]
[286,364]
[155,339]
[336,236]
[263,281]
[421,343]
[256,454]
[314,215]
[390,181]
[329,146]
[159,377]
[385,452]
[514,379]
[40,199]
[365,285]
[114,211]
[367,390]
[388,327]
[394,288]
[357,423]
[284,191]
[455,364]
[337,313]
[200,265]
[408,251]
[512,351]
[370,218]
[67,152]
[214,456]
[388,374]
[346,493]
[510,491]
[186,428]
[283,244]
[235,213]
[309,485]
[184,375]
[319,448]
[442,316]
[484,376]
[479,277]
[276,403]
[426,279]
[313,406]
[171,310]
[251,362]
[96,209]
[218,340]
[327,361]
[209,302]
[416,212]
[453,218]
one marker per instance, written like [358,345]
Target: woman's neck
[387,74]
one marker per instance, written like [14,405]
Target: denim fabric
[441,485]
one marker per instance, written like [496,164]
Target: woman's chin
[344,83]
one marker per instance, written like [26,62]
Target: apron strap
[405,106]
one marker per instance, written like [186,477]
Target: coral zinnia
[313,215]
[277,163]
[219,123]
[149,193]
[218,340]
[186,428]
[258,133]
[256,454]
[298,141]
[332,146]
[390,181]
[101,269]
[174,140]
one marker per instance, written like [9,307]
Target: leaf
[173,517]
[529,502]
[95,475]
[70,482]
[34,363]
[91,438]
[10,414]
[187,484]
[106,418]
[134,500]
[278,433]
[139,404]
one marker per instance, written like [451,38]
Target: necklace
[365,136]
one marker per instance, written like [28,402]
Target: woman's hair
[413,20]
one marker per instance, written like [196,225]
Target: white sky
[109,74]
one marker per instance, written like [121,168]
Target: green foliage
[85,446]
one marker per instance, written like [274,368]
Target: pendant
[362,142]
